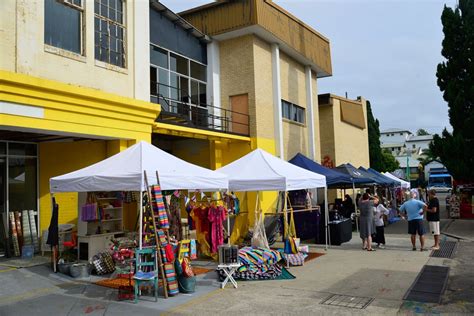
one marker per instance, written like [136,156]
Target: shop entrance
[18,183]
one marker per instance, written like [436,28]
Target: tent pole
[326,216]
[228,225]
[355,204]
[140,209]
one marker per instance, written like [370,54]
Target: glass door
[3,199]
[18,183]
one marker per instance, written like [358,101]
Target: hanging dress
[175,218]
[217,215]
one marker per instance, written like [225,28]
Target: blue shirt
[413,207]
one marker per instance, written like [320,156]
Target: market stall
[123,173]
[261,171]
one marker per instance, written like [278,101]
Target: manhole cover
[347,301]
[446,250]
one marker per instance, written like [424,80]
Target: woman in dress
[366,206]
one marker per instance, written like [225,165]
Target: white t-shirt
[379,211]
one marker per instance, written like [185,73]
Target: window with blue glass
[63,24]
[109,29]
[292,112]
[174,77]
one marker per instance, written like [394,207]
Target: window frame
[293,112]
[82,28]
[189,78]
[117,24]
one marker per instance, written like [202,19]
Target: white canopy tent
[125,172]
[261,171]
[404,184]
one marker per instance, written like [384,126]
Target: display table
[340,231]
[90,245]
[229,269]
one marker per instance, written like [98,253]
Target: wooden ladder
[149,208]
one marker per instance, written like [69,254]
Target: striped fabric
[159,207]
[170,273]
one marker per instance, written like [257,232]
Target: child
[380,210]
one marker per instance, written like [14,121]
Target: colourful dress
[217,215]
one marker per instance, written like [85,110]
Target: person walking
[414,210]
[432,215]
[367,221]
[380,210]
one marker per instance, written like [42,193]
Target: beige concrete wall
[237,73]
[351,142]
[263,89]
[326,132]
[316,120]
[23,50]
[292,81]
[341,141]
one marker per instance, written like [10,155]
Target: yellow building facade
[62,109]
[208,85]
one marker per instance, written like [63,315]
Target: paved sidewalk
[383,276]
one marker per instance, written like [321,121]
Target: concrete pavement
[383,276]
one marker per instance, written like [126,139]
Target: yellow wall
[59,158]
[67,109]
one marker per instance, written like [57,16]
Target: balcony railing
[180,111]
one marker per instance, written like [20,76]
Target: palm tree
[426,157]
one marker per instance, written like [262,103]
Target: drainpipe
[277,101]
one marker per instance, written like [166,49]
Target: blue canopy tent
[333,177]
[379,180]
[358,177]
[388,180]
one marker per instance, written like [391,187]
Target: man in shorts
[415,209]
[432,215]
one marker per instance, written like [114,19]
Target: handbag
[187,269]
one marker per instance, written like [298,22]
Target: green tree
[456,81]
[422,132]
[375,152]
[389,162]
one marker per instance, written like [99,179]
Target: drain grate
[446,250]
[347,301]
[429,285]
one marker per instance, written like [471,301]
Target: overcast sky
[384,50]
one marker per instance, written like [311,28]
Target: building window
[63,24]
[413,146]
[110,30]
[176,78]
[292,112]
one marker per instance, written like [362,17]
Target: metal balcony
[180,111]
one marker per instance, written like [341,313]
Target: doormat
[313,255]
[446,250]
[349,301]
[285,275]
[24,263]
[429,286]
[114,283]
